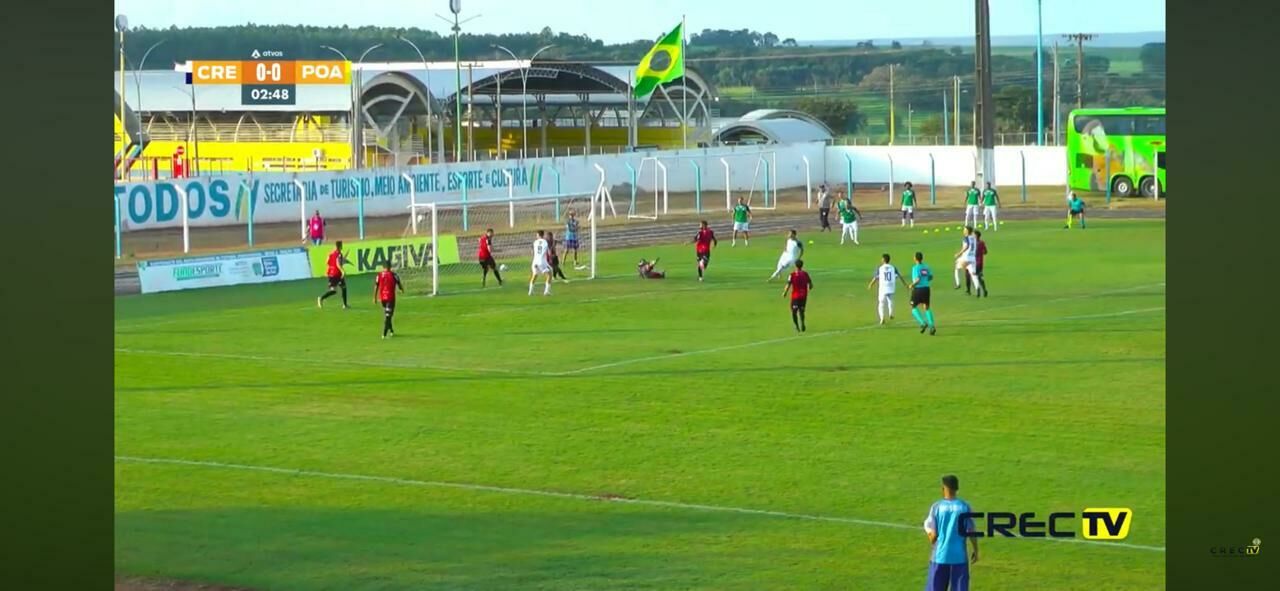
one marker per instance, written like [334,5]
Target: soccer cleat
[319,302]
[346,307]
[923,328]
[933,330]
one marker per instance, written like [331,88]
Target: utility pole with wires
[1057,106]
[1080,38]
[891,122]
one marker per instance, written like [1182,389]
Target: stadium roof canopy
[549,82]
[773,126]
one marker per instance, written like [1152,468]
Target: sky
[619,21]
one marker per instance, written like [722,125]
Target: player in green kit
[741,222]
[990,202]
[848,220]
[971,197]
[921,276]
[908,205]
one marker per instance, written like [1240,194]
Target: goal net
[452,231]
[647,203]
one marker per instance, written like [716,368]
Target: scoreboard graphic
[269,82]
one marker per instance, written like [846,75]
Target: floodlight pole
[351,92]
[1039,73]
[524,93]
[138,83]
[455,6]
[359,131]
[122,23]
[430,98]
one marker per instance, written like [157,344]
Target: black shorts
[1076,214]
[704,258]
[798,303]
[389,307]
[488,263]
[338,282]
[919,295]
[555,261]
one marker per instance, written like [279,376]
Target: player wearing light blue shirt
[1075,210]
[921,277]
[949,563]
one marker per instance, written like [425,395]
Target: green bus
[1126,143]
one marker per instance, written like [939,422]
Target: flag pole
[684,90]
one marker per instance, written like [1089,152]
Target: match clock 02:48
[268,94]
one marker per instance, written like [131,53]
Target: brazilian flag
[663,63]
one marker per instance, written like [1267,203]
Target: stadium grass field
[633,434]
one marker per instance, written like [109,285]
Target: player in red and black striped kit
[485,254]
[384,292]
[799,285]
[337,278]
[703,241]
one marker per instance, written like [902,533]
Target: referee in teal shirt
[949,565]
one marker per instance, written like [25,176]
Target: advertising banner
[265,266]
[367,256]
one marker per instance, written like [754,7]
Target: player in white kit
[967,258]
[790,254]
[887,276]
[540,265]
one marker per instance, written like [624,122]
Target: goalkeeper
[646,271]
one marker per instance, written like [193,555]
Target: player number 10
[274,72]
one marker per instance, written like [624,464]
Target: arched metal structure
[772,131]
[777,114]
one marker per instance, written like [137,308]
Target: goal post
[764,179]
[422,217]
[640,200]
[451,231]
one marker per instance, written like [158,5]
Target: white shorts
[988,208]
[541,268]
[966,263]
[741,226]
[848,225]
[884,297]
[971,209]
[908,208]
[785,261]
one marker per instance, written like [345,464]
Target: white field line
[824,334]
[570,496]
[330,362]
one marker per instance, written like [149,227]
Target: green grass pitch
[496,441]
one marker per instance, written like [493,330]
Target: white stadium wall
[225,200]
[953,165]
